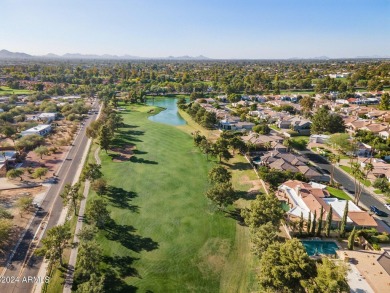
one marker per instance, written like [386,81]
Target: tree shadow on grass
[124,125]
[121,198]
[138,152]
[134,159]
[114,284]
[248,195]
[123,265]
[121,140]
[236,215]
[130,132]
[241,166]
[124,234]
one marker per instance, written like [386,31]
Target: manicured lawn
[299,142]
[4,91]
[338,193]
[167,236]
[349,170]
[274,127]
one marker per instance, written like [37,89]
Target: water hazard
[170,115]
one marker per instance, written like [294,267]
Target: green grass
[348,169]
[169,235]
[274,127]
[299,142]
[5,91]
[377,191]
[338,193]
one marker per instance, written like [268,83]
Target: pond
[170,115]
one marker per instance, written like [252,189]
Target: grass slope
[166,237]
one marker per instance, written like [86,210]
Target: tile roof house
[290,162]
[307,198]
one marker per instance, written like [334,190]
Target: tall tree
[283,266]
[94,285]
[319,229]
[54,243]
[314,224]
[330,278]
[343,224]
[328,225]
[89,256]
[308,224]
[221,193]
[98,213]
[351,239]
[236,143]
[221,149]
[105,137]
[219,174]
[307,103]
[300,226]
[91,172]
[262,237]
[385,102]
[325,121]
[71,194]
[265,208]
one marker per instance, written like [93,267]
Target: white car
[387,205]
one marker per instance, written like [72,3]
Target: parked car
[377,211]
[387,205]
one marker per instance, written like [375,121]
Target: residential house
[385,134]
[296,123]
[42,130]
[309,198]
[319,138]
[47,117]
[355,125]
[290,162]
[6,157]
[234,123]
[376,128]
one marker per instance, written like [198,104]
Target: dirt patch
[213,256]
[122,154]
[7,201]
[256,184]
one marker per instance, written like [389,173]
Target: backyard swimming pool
[314,247]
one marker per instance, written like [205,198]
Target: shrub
[383,238]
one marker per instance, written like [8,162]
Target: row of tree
[103,129]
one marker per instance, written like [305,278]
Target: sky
[223,29]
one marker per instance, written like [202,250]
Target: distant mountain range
[5,54]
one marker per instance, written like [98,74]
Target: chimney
[298,190]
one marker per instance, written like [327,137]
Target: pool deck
[366,272]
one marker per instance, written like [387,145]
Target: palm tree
[375,142]
[334,159]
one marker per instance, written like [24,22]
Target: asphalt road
[366,198]
[51,210]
